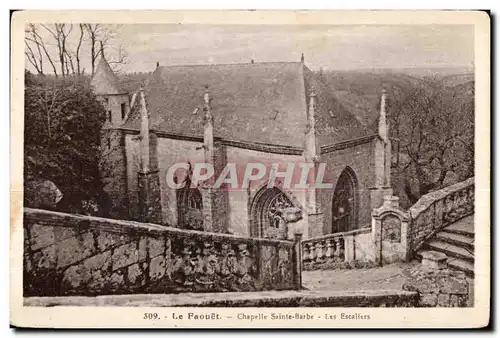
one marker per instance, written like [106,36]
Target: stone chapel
[254,112]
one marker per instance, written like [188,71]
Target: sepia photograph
[273,166]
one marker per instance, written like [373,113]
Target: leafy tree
[62,127]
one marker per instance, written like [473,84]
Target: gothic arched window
[345,202]
[266,212]
[190,208]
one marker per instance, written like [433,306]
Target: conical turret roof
[105,81]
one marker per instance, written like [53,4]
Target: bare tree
[119,58]
[60,33]
[69,49]
[35,60]
[96,33]
[33,37]
[99,41]
[78,49]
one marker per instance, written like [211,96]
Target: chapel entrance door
[344,206]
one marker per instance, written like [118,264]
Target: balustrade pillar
[297,261]
[319,251]
[329,249]
[337,254]
[312,253]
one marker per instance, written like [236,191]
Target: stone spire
[382,186]
[311,123]
[311,158]
[214,199]
[302,58]
[144,133]
[207,108]
[382,123]
[208,135]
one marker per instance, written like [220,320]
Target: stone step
[462,265]
[463,227]
[451,250]
[456,239]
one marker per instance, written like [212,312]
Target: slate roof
[105,81]
[254,102]
[334,122]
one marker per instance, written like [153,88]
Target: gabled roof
[253,102]
[105,81]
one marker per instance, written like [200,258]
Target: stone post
[149,192]
[349,248]
[215,201]
[315,215]
[113,173]
[149,197]
[297,260]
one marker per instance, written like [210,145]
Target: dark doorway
[345,202]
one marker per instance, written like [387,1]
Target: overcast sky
[331,47]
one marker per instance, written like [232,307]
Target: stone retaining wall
[68,254]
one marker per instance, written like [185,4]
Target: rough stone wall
[171,151]
[360,159]
[113,172]
[316,224]
[114,105]
[240,200]
[81,255]
[439,288]
[133,167]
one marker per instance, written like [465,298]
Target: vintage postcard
[250,169]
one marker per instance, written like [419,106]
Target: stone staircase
[457,242]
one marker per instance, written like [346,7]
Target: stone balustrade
[438,209]
[399,233]
[395,234]
[81,255]
[333,249]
